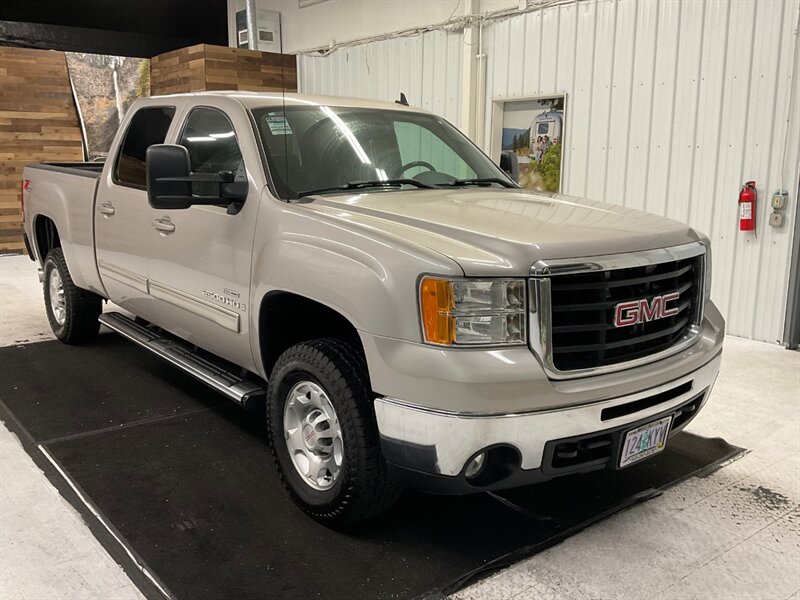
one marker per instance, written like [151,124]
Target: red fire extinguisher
[747,207]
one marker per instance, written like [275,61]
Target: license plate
[644,441]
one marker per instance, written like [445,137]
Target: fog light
[475,466]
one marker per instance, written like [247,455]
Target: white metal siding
[671,106]
[427,68]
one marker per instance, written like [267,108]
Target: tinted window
[147,127]
[212,145]
[315,147]
[418,144]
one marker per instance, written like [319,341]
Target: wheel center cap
[310,436]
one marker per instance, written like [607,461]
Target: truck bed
[64,193]
[84,169]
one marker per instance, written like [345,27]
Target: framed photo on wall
[532,128]
[104,87]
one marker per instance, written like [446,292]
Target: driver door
[201,259]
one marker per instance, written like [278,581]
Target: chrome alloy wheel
[57,305]
[313,435]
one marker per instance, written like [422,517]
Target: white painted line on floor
[100,518]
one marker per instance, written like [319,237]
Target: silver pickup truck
[406,315]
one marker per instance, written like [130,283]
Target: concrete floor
[734,534]
[46,549]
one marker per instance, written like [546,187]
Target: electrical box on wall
[779,199]
[778,203]
[268,25]
[776,219]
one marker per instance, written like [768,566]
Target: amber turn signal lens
[437,302]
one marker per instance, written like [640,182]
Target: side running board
[180,354]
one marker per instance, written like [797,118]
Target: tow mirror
[170,180]
[510,164]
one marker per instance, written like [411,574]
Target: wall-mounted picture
[533,129]
[105,87]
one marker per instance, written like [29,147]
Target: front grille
[582,330]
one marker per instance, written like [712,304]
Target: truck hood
[504,231]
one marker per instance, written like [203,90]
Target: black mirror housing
[165,163]
[170,179]
[510,164]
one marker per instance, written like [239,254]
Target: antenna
[402,100]
[285,121]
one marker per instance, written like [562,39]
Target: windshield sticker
[278,125]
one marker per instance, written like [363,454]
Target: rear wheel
[323,433]
[71,311]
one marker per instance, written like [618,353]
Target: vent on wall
[264,36]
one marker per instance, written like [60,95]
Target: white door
[122,215]
[200,268]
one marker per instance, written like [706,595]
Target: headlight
[473,312]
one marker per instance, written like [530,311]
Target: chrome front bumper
[441,442]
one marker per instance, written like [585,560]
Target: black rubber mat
[58,390]
[187,481]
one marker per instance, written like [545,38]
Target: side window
[417,143]
[212,145]
[147,127]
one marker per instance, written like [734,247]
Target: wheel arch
[286,318]
[45,236]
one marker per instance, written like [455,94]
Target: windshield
[323,148]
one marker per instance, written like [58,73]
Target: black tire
[362,489]
[81,308]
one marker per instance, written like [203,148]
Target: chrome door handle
[106,208]
[164,226]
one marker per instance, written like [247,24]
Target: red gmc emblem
[641,311]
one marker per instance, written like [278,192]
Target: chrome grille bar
[572,328]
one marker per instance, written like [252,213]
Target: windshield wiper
[357,185]
[480,181]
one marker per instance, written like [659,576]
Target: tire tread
[83,307]
[371,491]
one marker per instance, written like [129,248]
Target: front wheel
[71,311]
[323,433]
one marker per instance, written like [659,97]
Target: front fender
[367,276]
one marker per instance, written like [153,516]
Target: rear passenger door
[123,217]
[200,269]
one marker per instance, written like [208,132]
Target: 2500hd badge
[226,300]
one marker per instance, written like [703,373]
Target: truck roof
[262,99]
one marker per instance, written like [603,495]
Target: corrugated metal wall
[671,106]
[427,68]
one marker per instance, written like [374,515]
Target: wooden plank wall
[204,67]
[38,122]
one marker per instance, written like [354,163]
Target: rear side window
[147,127]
